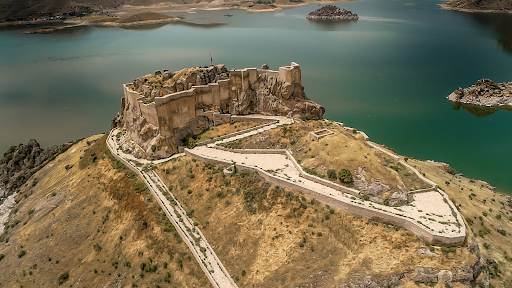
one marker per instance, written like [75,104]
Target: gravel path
[191,235]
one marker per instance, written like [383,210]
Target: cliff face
[484,93]
[21,162]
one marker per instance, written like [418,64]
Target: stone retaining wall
[290,157]
[352,208]
[236,133]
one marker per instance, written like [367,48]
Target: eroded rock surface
[21,162]
[331,12]
[484,93]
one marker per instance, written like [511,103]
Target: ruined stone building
[159,110]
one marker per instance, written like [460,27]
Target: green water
[387,74]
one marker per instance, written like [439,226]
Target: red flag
[211,59]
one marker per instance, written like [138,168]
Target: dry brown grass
[143,16]
[228,128]
[342,150]
[84,220]
[480,207]
[262,235]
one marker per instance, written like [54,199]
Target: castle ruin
[159,110]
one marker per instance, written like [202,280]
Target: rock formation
[21,162]
[159,110]
[484,93]
[331,12]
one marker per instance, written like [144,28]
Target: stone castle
[159,110]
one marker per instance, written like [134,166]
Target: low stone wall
[236,133]
[303,174]
[352,208]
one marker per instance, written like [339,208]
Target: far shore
[445,6]
[104,19]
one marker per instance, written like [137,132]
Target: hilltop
[266,223]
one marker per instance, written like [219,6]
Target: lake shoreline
[161,8]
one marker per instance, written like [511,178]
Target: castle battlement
[163,121]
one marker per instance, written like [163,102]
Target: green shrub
[190,141]
[2,256]
[448,249]
[167,277]
[331,174]
[345,176]
[153,148]
[63,277]
[22,253]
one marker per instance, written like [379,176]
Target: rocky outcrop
[479,5]
[467,275]
[484,93]
[166,82]
[331,12]
[21,162]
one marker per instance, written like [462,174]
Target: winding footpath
[429,214]
[191,235]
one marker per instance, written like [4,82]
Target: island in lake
[331,12]
[484,93]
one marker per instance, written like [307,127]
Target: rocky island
[484,93]
[331,12]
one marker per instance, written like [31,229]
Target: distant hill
[480,5]
[23,9]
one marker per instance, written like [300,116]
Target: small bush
[345,176]
[331,174]
[22,253]
[2,256]
[448,249]
[63,277]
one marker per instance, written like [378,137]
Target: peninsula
[484,93]
[331,12]
[261,187]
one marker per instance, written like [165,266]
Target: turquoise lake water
[387,74]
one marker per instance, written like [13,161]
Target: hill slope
[89,224]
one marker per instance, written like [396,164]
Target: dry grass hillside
[90,223]
[342,150]
[228,128]
[488,214]
[267,236]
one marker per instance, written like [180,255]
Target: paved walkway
[430,209]
[191,235]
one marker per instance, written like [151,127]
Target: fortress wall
[351,208]
[253,75]
[215,92]
[269,72]
[291,74]
[203,95]
[224,88]
[240,79]
[131,96]
[183,111]
[148,111]
[170,97]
